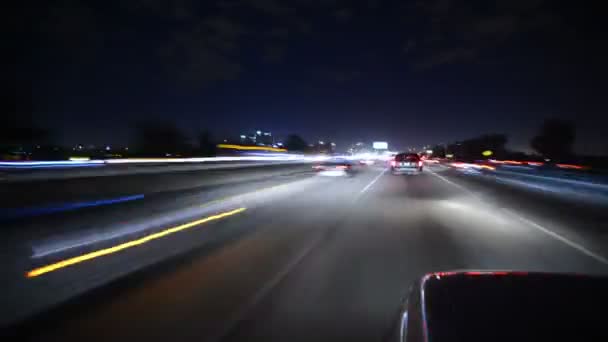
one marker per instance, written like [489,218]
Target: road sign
[380,145]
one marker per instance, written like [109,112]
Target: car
[367,162]
[499,305]
[406,163]
[334,167]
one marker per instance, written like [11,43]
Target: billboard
[380,145]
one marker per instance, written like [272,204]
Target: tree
[490,142]
[438,151]
[160,138]
[22,133]
[472,149]
[295,143]
[555,139]
[206,146]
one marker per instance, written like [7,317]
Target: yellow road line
[251,148]
[106,251]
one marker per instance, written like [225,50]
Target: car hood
[499,305]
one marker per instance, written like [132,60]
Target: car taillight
[420,163]
[393,163]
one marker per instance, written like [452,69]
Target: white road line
[559,237]
[533,224]
[372,182]
[457,185]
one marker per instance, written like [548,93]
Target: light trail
[133,243]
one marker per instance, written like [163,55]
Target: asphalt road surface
[297,258]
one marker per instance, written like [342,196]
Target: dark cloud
[342,76]
[271,7]
[448,56]
[206,52]
[344,15]
[460,31]
[71,25]
[409,46]
[223,27]
[278,32]
[273,54]
[498,26]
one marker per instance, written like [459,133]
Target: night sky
[409,72]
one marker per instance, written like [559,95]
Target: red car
[406,163]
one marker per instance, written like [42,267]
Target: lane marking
[457,185]
[106,251]
[535,225]
[558,237]
[369,185]
[260,294]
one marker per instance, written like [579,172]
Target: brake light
[480,273]
[420,163]
[393,163]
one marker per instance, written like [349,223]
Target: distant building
[359,147]
[324,147]
[258,137]
[266,139]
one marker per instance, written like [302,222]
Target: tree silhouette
[438,151]
[160,138]
[472,149]
[295,143]
[22,133]
[555,139]
[206,146]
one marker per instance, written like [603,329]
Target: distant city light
[79,158]
[321,142]
[258,132]
[107,148]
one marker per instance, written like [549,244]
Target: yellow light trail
[106,251]
[254,148]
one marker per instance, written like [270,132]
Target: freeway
[295,257]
